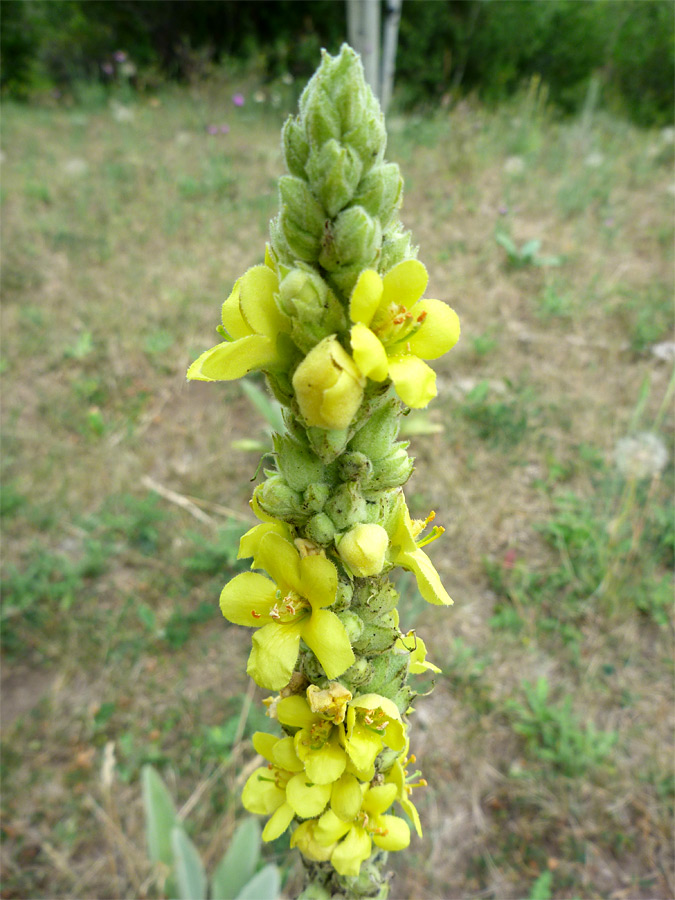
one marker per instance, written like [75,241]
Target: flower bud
[376,638]
[328,386]
[378,434]
[353,624]
[320,117]
[391,470]
[353,239]
[296,148]
[343,596]
[363,549]
[313,309]
[396,247]
[320,529]
[277,499]
[334,172]
[315,497]
[301,219]
[369,138]
[358,675]
[379,192]
[346,506]
[354,466]
[296,462]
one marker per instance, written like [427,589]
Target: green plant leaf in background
[160,816]
[239,862]
[190,874]
[263,886]
[268,408]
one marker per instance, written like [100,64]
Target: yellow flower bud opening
[328,386]
[363,549]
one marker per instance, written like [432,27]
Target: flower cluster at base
[337,321]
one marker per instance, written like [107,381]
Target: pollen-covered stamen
[287,608]
[374,720]
[318,734]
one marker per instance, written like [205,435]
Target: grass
[545,741]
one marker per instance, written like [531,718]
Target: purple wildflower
[212,129]
[119,56]
[238,99]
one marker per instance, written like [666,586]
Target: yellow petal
[345,798]
[294,711]
[405,283]
[318,581]
[279,822]
[257,303]
[304,839]
[231,316]
[234,359]
[428,580]
[439,331]
[280,558]
[326,765]
[284,755]
[274,654]
[365,297]
[307,799]
[379,798]
[326,637]
[330,829]
[414,381]
[351,852]
[247,599]
[261,795]
[369,353]
[362,745]
[264,744]
[396,834]
[249,542]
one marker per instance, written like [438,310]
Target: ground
[546,742]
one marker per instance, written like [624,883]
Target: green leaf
[190,874]
[268,408]
[263,886]
[239,862]
[160,816]
[541,889]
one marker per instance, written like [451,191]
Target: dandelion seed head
[643,455]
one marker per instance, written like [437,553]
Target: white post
[390,40]
[363,32]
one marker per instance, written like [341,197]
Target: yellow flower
[363,549]
[254,323]
[398,775]
[289,608]
[414,645]
[394,330]
[281,789]
[317,740]
[405,551]
[347,844]
[372,722]
[328,386]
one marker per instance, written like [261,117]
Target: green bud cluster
[339,205]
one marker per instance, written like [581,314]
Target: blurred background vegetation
[447,48]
